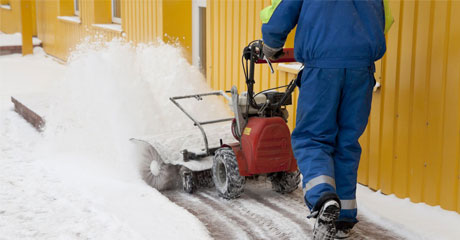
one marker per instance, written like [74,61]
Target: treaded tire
[188,181]
[226,175]
[285,182]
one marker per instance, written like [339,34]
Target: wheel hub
[155,168]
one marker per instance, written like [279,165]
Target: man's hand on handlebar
[272,53]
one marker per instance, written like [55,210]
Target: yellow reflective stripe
[348,204]
[267,12]
[318,180]
[389,20]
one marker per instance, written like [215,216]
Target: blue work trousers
[332,113]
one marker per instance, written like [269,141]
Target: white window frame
[196,28]
[75,6]
[115,19]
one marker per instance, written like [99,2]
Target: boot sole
[325,224]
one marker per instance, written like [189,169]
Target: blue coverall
[338,41]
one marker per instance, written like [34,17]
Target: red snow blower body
[265,147]
[264,139]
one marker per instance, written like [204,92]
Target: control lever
[269,64]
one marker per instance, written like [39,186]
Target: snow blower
[258,142]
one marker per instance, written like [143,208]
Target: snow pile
[414,221]
[36,205]
[14,39]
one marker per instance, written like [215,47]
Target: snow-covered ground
[407,218]
[78,179]
[14,39]
[65,191]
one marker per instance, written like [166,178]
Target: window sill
[109,27]
[5,6]
[70,19]
[293,68]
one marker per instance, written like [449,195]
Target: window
[116,11]
[5,4]
[199,34]
[76,7]
[69,11]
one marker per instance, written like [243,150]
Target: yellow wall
[143,21]
[60,36]
[10,19]
[411,146]
[413,140]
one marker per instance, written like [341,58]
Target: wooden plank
[29,115]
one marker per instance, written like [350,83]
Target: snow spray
[115,91]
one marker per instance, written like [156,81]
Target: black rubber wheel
[188,183]
[226,175]
[285,182]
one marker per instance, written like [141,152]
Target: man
[338,41]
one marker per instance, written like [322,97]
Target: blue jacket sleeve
[278,21]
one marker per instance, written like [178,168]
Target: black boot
[343,229]
[325,222]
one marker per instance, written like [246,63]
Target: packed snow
[15,39]
[79,179]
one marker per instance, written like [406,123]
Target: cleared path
[261,213]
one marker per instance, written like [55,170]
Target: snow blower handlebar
[286,58]
[253,54]
[197,123]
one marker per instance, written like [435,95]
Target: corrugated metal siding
[412,144]
[141,21]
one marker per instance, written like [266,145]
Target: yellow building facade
[411,147]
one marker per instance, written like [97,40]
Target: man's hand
[272,53]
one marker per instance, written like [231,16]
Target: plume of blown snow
[116,91]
